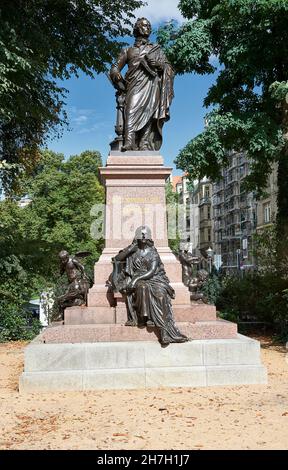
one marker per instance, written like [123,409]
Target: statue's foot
[180,339]
[144,147]
[127,148]
[150,324]
[130,323]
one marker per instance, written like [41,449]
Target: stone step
[134,379]
[116,332]
[132,354]
[99,315]
[140,365]
[193,312]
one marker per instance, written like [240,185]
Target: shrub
[256,296]
[212,289]
[16,323]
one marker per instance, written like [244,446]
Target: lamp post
[209,255]
[238,253]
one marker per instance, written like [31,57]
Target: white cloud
[93,128]
[158,11]
[80,119]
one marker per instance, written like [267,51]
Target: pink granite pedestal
[135,195]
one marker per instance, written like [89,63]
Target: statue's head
[202,275]
[64,255]
[142,28]
[143,234]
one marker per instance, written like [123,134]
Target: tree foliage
[42,41]
[58,217]
[249,98]
[173,207]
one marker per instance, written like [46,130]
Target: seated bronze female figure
[144,281]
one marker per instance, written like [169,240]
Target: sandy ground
[245,417]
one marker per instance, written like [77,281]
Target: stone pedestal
[93,349]
[135,195]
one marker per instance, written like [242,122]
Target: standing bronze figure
[144,281]
[196,284]
[79,282]
[144,95]
[188,261]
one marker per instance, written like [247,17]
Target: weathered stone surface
[187,355]
[54,381]
[54,357]
[118,332]
[109,315]
[171,377]
[236,375]
[50,367]
[243,350]
[115,355]
[114,379]
[89,315]
[194,312]
[46,357]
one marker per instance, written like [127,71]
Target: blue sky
[90,104]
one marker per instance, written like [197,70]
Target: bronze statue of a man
[145,94]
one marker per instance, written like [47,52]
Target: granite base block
[219,329]
[138,365]
[102,315]
[236,375]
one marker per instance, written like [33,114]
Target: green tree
[63,193]
[172,203]
[250,95]
[42,41]
[58,217]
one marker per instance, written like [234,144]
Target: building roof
[176,180]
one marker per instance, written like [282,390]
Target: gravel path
[245,417]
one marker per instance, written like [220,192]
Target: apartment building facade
[234,215]
[224,216]
[267,206]
[196,214]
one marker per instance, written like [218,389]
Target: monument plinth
[135,195]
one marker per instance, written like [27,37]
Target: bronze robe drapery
[151,298]
[148,95]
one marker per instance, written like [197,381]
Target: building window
[267,213]
[209,235]
[207,191]
[208,213]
